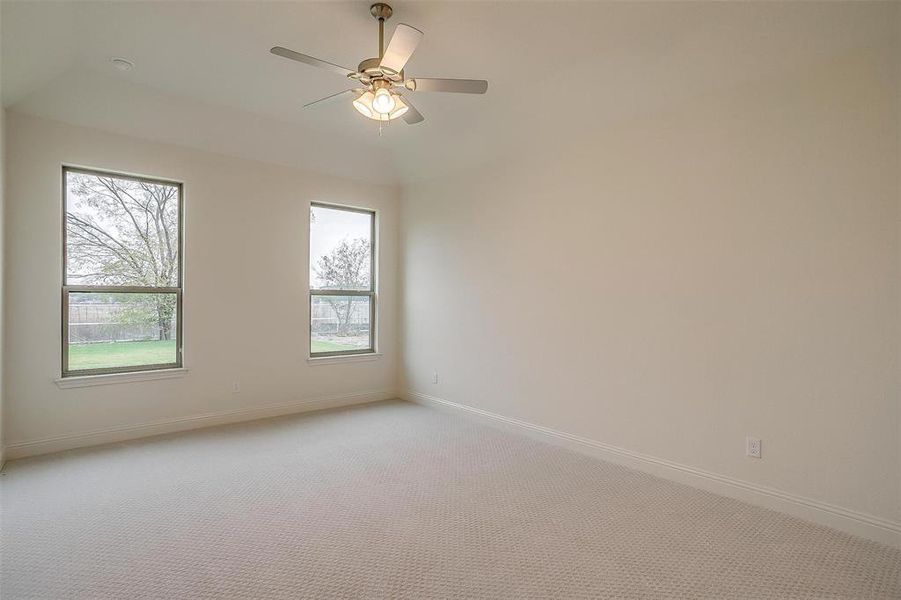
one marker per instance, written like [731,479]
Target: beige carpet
[394,500]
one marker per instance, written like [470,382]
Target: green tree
[125,232]
[346,267]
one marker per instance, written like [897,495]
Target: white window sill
[112,378]
[348,358]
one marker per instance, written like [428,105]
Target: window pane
[121,231]
[121,330]
[340,249]
[339,323]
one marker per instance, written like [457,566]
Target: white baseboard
[122,433]
[847,520]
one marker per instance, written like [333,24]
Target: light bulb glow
[365,105]
[383,103]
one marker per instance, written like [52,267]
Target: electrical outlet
[236,387]
[435,377]
[752,447]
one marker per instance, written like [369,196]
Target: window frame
[371,293]
[66,289]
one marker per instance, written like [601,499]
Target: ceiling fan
[381,94]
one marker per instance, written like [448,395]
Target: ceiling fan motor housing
[371,67]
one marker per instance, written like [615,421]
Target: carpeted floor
[394,500]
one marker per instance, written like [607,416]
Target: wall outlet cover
[753,447]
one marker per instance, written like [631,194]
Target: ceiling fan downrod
[382,12]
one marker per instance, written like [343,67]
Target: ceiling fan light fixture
[363,104]
[399,109]
[384,101]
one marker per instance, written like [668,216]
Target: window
[342,281]
[122,280]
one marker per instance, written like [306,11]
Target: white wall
[672,284]
[245,303]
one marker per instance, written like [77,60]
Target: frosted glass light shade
[365,106]
[383,102]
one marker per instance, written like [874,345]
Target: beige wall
[898,171]
[2,270]
[246,305]
[2,274]
[680,281]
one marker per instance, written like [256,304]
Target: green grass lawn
[129,354]
[323,346]
[120,354]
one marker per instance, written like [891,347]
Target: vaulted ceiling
[204,78]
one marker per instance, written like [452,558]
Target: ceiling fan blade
[412,116]
[315,62]
[401,47]
[459,86]
[340,96]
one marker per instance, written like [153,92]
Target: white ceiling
[204,77]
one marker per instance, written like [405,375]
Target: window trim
[371,293]
[67,289]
